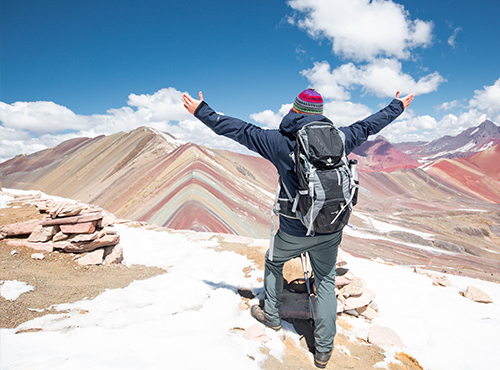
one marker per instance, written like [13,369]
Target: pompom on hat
[309,101]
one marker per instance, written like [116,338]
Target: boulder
[477,295]
[113,255]
[22,228]
[93,258]
[384,336]
[42,234]
[79,228]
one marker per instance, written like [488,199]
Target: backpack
[328,184]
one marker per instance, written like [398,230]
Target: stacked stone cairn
[82,229]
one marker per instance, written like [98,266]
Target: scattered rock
[441,280]
[368,312]
[477,295]
[341,281]
[14,252]
[361,300]
[384,336]
[356,287]
[92,258]
[340,261]
[113,255]
[256,332]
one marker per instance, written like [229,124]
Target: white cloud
[343,113]
[427,128]
[362,30]
[28,127]
[452,41]
[382,77]
[488,99]
[40,117]
[269,119]
[449,105]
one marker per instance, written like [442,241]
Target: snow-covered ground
[188,318]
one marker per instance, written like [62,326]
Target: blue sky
[82,68]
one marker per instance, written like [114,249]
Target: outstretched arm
[357,133]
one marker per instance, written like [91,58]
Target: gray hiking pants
[323,256]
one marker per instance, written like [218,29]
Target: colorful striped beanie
[308,102]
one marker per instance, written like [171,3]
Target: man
[291,240]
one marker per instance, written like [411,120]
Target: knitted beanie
[308,102]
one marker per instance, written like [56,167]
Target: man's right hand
[406,100]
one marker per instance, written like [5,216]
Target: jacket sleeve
[357,133]
[253,137]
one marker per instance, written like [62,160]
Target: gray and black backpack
[328,183]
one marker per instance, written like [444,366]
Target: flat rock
[356,287]
[87,217]
[81,247]
[92,258]
[384,336]
[37,256]
[79,228]
[22,228]
[441,280]
[368,312]
[44,247]
[42,234]
[477,295]
[341,281]
[60,236]
[256,332]
[362,300]
[340,261]
[113,255]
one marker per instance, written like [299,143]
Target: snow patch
[12,289]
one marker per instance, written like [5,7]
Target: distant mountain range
[381,155]
[150,176]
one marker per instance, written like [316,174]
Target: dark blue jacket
[276,145]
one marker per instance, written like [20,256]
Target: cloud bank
[28,127]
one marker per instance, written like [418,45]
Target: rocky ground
[59,279]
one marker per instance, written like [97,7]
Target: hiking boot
[260,316]
[321,359]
